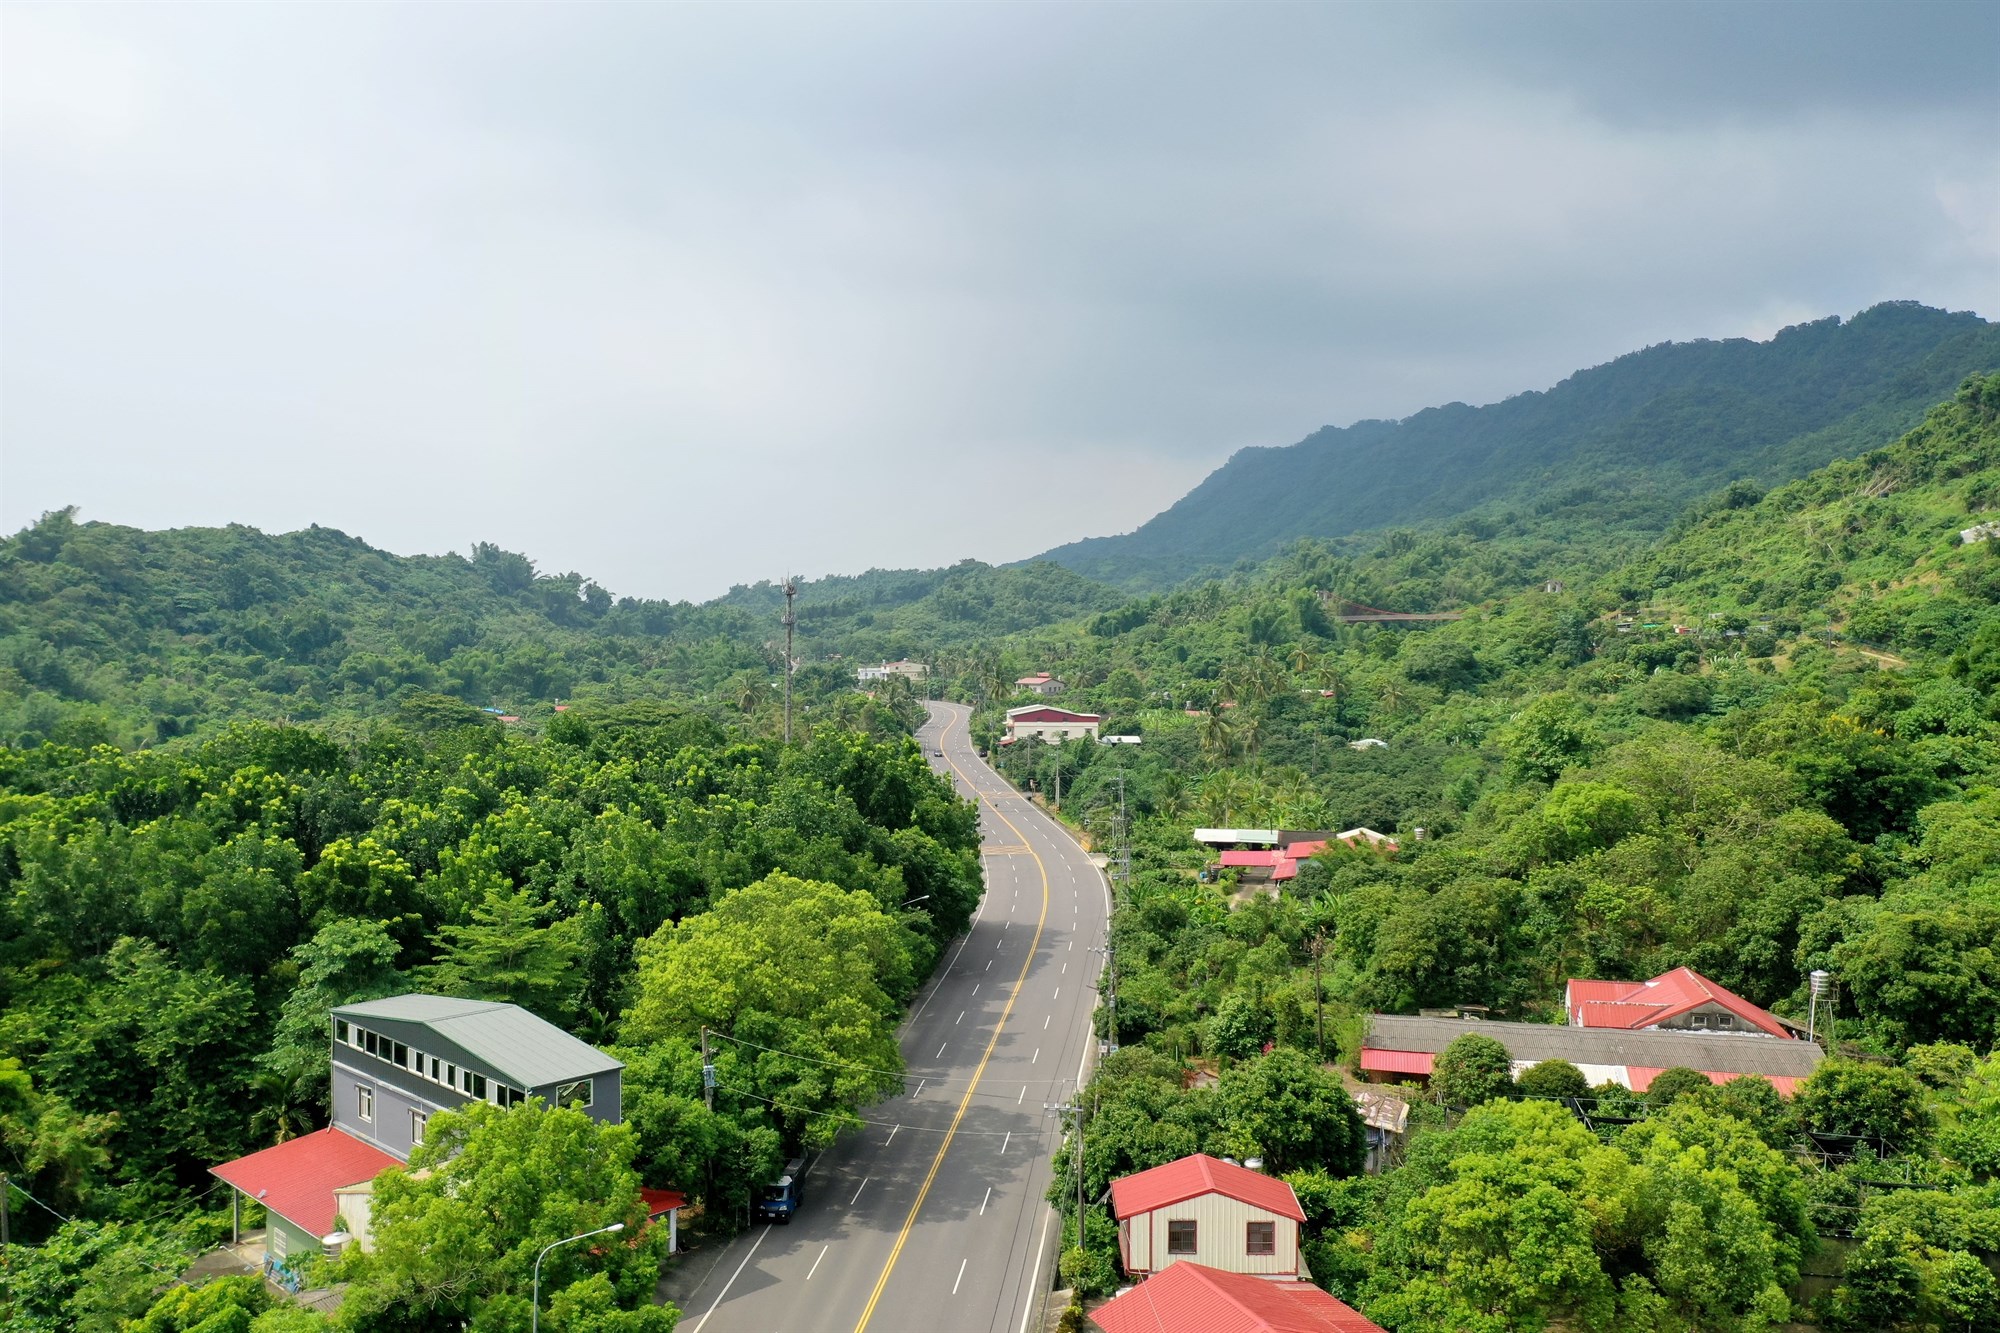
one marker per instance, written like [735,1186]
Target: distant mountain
[1665,424]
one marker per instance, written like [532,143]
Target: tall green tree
[458,1231]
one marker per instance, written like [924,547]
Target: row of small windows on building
[447,1074]
[430,1067]
[1258,1237]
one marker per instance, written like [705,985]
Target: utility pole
[707,1071]
[1124,878]
[1110,991]
[1319,996]
[1074,1109]
[791,591]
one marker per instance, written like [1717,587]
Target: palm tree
[1394,696]
[1303,657]
[1217,741]
[1250,735]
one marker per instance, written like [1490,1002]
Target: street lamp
[535,1314]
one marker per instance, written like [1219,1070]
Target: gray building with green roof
[398,1061]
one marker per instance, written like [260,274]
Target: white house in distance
[1041,683]
[910,671]
[1048,723]
[1210,1211]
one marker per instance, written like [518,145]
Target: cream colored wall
[1219,1236]
[1065,730]
[355,1205]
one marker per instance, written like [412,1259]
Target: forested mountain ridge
[109,633]
[1629,442]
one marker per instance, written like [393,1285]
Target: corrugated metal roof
[1049,713]
[520,1047]
[1636,1004]
[1397,1062]
[1144,1191]
[1194,1298]
[1213,835]
[1253,857]
[296,1179]
[1718,1053]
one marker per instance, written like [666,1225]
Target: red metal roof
[1397,1062]
[1053,715]
[1641,1078]
[1194,1298]
[1253,857]
[296,1179]
[1643,1004]
[660,1202]
[1144,1191]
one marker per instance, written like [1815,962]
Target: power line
[882,1124]
[16,1185]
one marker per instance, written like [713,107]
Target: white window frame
[418,1119]
[364,1103]
[589,1092]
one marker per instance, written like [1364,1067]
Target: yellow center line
[910,1222]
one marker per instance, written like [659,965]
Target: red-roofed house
[1682,999]
[1195,1298]
[1209,1210]
[296,1181]
[1050,723]
[1041,683]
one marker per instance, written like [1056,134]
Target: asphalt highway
[932,1217]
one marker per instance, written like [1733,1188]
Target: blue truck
[777,1201]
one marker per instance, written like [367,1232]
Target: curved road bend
[931,1218]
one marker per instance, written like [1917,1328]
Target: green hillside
[114,634]
[1614,451]
[1767,745]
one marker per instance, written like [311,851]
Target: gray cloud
[683,296]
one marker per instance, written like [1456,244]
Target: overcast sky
[681,297]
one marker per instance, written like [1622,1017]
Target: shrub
[1669,1085]
[1553,1078]
[1473,1069]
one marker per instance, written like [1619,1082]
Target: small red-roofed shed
[667,1204]
[1206,1209]
[1195,1298]
[295,1182]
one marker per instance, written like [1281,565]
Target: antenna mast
[791,591]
